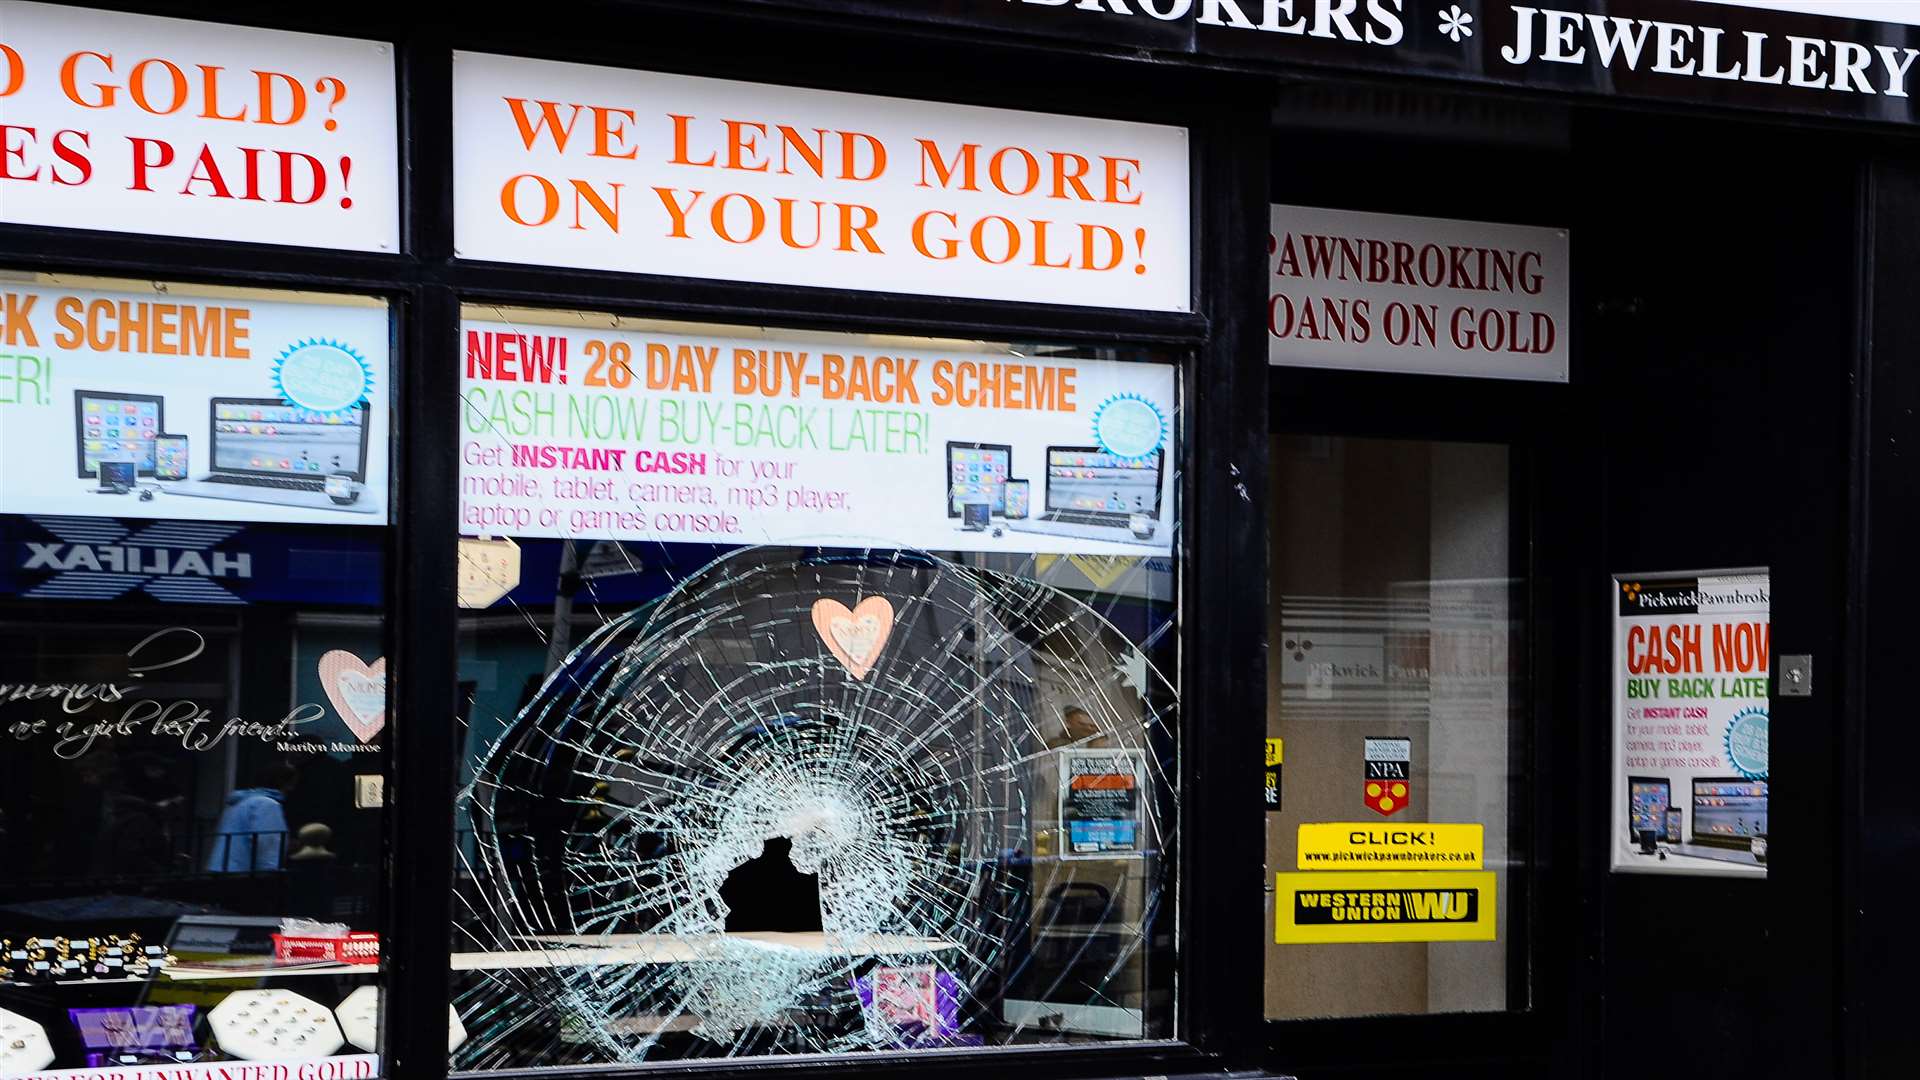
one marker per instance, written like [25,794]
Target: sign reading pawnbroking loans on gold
[1317,908]
[1359,845]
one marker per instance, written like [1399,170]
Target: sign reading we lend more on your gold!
[1321,907]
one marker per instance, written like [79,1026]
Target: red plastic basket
[358,947]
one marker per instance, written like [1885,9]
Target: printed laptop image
[1729,812]
[1095,495]
[268,451]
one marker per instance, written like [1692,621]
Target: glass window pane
[890,765]
[1396,699]
[193,499]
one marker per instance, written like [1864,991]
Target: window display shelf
[578,950]
[198,973]
[186,973]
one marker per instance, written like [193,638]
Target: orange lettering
[680,142]
[69,87]
[549,121]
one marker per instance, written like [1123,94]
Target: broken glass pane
[775,799]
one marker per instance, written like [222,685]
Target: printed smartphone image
[1019,495]
[119,473]
[170,457]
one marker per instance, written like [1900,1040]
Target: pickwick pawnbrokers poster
[1691,676]
[840,442]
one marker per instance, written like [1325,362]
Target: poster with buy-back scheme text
[621,434]
[1691,705]
[193,404]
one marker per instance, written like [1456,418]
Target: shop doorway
[1708,423]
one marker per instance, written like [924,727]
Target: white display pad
[262,1025]
[23,1045]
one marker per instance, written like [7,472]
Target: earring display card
[360,1020]
[23,1045]
[272,1024]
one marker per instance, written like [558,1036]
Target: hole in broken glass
[768,892]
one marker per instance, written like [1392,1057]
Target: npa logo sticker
[1389,780]
[1337,908]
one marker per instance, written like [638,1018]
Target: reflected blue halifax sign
[131,561]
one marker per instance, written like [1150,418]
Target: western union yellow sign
[1361,845]
[1384,906]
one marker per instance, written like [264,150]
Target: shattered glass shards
[682,739]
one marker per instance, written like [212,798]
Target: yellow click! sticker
[1360,845]
[1386,906]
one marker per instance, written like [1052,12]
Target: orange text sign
[644,172]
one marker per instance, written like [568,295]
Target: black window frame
[1223,433]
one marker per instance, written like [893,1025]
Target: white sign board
[1418,296]
[613,169]
[628,435]
[1690,712]
[133,123]
[128,402]
[1888,11]
[339,1067]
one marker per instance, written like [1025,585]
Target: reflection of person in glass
[1081,728]
[310,871]
[252,833]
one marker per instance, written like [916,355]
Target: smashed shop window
[809,801]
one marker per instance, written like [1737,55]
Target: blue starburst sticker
[322,375]
[1746,741]
[1129,426]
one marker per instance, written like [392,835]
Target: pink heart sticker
[855,637]
[358,691]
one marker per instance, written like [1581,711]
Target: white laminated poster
[139,124]
[1691,702]
[1417,295]
[630,435]
[210,405]
[561,164]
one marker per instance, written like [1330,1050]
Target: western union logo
[1324,907]
[1361,845]
[1388,906]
